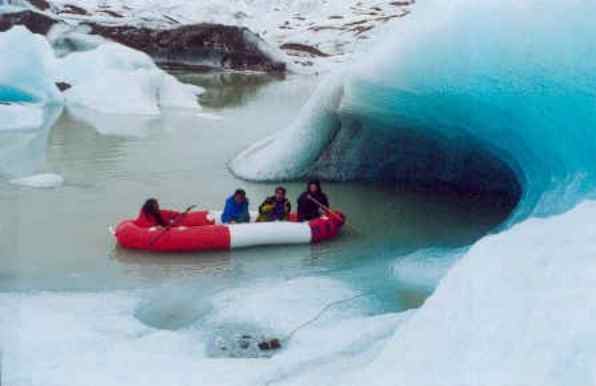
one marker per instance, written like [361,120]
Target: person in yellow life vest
[275,208]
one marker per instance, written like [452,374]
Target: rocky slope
[202,46]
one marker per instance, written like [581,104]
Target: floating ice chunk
[116,79]
[174,94]
[117,92]
[26,68]
[48,180]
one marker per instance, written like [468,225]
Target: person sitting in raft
[275,208]
[150,215]
[236,209]
[312,203]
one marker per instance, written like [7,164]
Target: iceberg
[116,79]
[20,50]
[484,98]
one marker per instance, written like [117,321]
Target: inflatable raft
[199,231]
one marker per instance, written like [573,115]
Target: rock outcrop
[201,46]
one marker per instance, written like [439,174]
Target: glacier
[494,98]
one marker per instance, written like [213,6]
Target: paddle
[328,210]
[172,223]
[325,208]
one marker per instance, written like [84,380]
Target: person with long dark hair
[309,202]
[150,215]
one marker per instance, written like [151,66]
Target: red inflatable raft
[198,231]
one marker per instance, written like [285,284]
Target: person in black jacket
[310,202]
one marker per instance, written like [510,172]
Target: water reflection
[229,89]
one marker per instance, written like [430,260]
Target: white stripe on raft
[269,233]
[216,214]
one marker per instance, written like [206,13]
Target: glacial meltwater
[61,264]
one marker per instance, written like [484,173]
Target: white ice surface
[56,339]
[517,309]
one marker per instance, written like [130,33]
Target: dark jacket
[307,208]
[235,212]
[273,210]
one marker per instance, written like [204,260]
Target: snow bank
[518,309]
[20,50]
[47,180]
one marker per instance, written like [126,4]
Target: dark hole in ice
[242,342]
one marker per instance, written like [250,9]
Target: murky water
[58,239]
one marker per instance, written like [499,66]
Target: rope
[322,312]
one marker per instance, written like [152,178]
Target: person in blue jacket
[236,209]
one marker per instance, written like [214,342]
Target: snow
[517,309]
[46,180]
[339,28]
